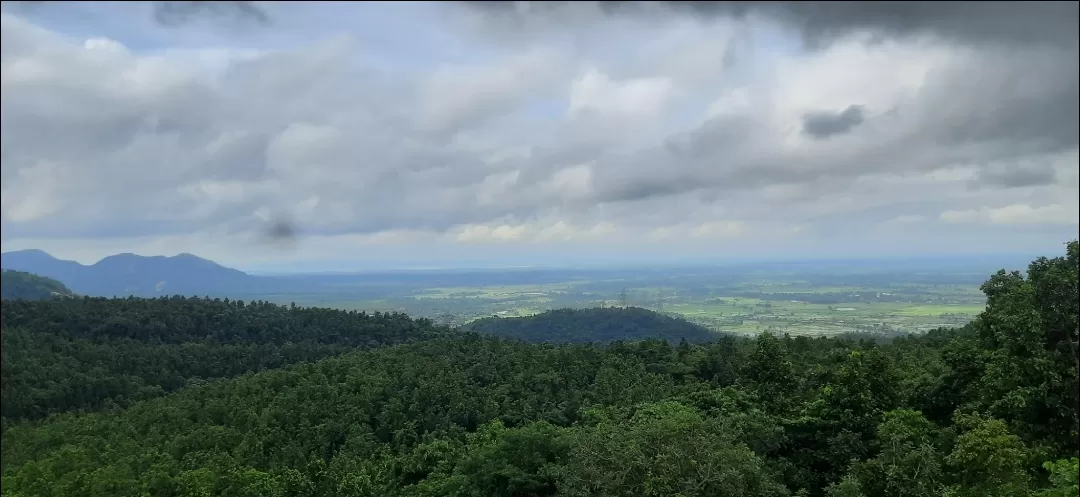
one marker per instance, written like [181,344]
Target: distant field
[748,315]
[812,301]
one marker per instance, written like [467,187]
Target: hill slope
[965,412]
[130,274]
[592,325]
[396,422]
[84,353]
[28,286]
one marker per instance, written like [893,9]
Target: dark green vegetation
[592,325]
[86,353]
[989,409]
[20,285]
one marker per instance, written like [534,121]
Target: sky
[343,135]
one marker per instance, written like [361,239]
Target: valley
[879,296]
[731,299]
[525,249]
[198,396]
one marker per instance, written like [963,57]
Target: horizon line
[277,269]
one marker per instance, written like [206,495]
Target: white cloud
[603,229]
[556,232]
[1015,214]
[105,44]
[594,93]
[38,196]
[722,229]
[907,220]
[539,231]
[479,233]
[585,133]
[572,182]
[464,96]
[736,102]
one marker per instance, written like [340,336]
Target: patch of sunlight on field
[742,315]
[937,310]
[495,292]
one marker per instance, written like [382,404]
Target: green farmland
[803,300]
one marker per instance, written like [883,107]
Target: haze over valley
[808,297]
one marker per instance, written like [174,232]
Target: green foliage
[1029,334]
[88,353]
[310,402]
[592,325]
[28,286]
[909,463]
[1064,478]
[848,487]
[663,449]
[988,460]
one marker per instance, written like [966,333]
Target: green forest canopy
[87,353]
[592,325]
[986,410]
[20,285]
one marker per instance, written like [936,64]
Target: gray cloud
[1016,175]
[1022,98]
[820,22]
[825,124]
[1011,94]
[175,14]
[975,22]
[179,13]
[994,105]
[318,140]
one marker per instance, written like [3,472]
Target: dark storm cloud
[1016,175]
[975,22]
[822,125]
[1022,97]
[178,13]
[978,22]
[1009,90]
[1017,96]
[175,14]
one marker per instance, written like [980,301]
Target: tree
[909,464]
[663,450]
[987,460]
[1031,377]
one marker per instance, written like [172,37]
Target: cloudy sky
[484,133]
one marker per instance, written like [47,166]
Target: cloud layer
[668,128]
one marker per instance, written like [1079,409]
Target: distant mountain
[130,274]
[22,285]
[592,325]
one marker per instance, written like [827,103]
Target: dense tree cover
[980,411]
[22,285]
[86,353]
[592,325]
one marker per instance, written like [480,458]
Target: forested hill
[987,410]
[130,274]
[85,353]
[592,325]
[22,285]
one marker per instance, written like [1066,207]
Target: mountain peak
[30,253]
[134,274]
[184,256]
[121,256]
